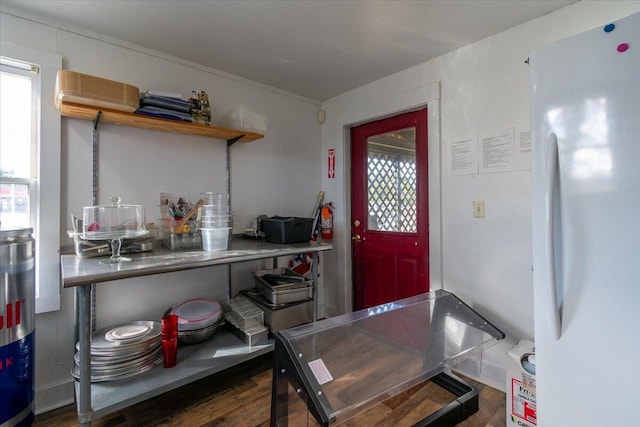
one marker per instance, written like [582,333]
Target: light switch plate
[478,208]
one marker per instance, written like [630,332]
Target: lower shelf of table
[223,351]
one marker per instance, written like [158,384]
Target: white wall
[484,87]
[275,175]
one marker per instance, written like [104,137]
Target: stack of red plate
[198,319]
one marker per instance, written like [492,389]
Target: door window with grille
[391,174]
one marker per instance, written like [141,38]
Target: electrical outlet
[478,208]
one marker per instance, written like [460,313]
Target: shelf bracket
[96,122]
[94,189]
[232,141]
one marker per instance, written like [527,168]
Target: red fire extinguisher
[326,225]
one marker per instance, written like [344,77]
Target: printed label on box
[523,401]
[320,371]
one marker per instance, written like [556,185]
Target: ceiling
[313,48]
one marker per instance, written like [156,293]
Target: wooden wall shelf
[122,118]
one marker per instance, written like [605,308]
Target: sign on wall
[331,163]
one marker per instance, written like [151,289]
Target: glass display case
[327,372]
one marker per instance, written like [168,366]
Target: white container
[213,210]
[211,198]
[244,314]
[215,239]
[242,118]
[215,223]
[521,386]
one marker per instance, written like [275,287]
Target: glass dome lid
[114,221]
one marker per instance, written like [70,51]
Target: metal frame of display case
[285,373]
[445,330]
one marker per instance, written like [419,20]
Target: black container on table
[279,229]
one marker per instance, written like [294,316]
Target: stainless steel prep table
[95,400]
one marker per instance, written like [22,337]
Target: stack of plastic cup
[170,340]
[215,221]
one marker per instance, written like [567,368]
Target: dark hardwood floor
[242,397]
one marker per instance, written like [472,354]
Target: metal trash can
[17,326]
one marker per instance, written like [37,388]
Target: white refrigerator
[585,124]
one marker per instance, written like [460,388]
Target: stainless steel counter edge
[78,271]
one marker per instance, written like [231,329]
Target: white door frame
[429,96]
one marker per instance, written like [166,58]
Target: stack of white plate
[122,351]
[198,319]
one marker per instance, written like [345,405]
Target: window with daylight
[30,159]
[19,89]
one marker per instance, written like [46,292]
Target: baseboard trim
[54,397]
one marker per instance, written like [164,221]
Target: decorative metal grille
[392,191]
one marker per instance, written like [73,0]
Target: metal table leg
[314,275]
[83,391]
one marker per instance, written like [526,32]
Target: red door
[390,218]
